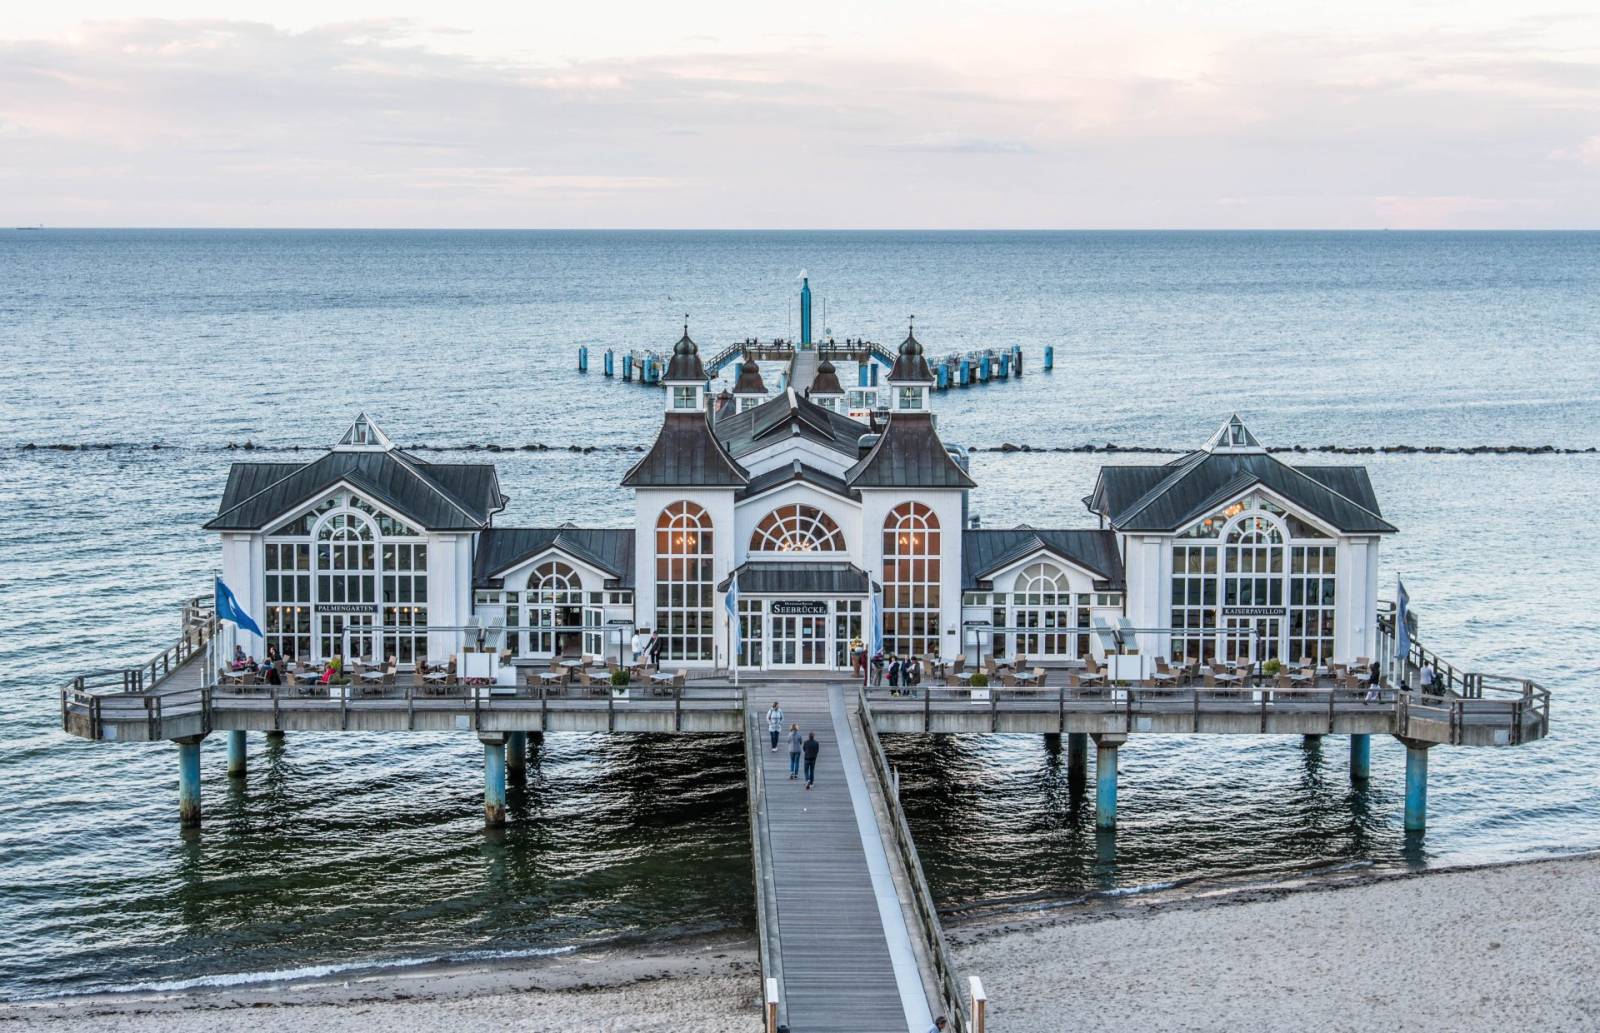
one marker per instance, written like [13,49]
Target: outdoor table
[660,678]
[571,663]
[1026,677]
[372,676]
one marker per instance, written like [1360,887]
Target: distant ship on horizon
[38,227]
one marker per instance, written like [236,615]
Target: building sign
[347,607]
[1252,611]
[804,608]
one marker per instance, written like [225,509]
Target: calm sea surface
[355,851]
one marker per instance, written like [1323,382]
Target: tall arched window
[797,528]
[1252,589]
[552,587]
[684,584]
[911,581]
[1042,611]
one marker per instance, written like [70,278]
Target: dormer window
[831,404]
[684,397]
[908,399]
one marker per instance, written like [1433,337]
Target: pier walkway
[836,936]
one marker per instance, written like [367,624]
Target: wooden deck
[835,933]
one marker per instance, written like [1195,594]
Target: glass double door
[350,635]
[1252,639]
[799,640]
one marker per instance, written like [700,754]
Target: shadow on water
[998,817]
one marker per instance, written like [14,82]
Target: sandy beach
[1510,946]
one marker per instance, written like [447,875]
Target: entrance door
[800,640]
[332,637]
[1251,638]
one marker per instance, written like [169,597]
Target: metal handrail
[921,895]
[774,1009]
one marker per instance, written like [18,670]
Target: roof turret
[685,366]
[749,382]
[826,382]
[910,366]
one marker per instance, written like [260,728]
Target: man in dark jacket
[810,751]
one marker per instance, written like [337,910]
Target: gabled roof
[687,454]
[796,471]
[435,496]
[609,550]
[909,454]
[807,577]
[1169,498]
[787,415]
[985,552]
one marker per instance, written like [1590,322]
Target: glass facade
[911,581]
[684,588]
[797,528]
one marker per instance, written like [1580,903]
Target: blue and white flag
[732,603]
[877,622]
[1402,633]
[228,609]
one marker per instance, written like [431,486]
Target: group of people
[647,648]
[801,750]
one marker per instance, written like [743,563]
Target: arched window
[911,581]
[553,587]
[1252,588]
[1043,613]
[684,584]
[797,528]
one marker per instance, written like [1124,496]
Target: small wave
[223,980]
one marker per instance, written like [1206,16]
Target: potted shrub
[978,680]
[1272,667]
[620,680]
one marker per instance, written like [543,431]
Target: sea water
[138,363]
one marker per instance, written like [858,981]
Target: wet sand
[1483,949]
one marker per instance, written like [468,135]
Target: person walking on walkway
[775,723]
[794,752]
[810,749]
[939,1025]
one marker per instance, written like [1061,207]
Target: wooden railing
[949,987]
[773,1010]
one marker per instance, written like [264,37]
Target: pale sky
[893,114]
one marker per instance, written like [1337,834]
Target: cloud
[152,122]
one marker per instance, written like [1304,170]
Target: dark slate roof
[685,364]
[1170,497]
[606,548]
[796,471]
[436,496]
[910,365]
[986,551]
[798,578]
[749,382]
[908,455]
[687,454]
[826,382]
[785,416]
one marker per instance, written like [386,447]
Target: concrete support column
[494,782]
[1077,758]
[517,756]
[1105,780]
[1311,742]
[1360,757]
[1416,786]
[275,738]
[236,755]
[189,781]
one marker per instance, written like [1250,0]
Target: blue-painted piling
[494,784]
[1016,360]
[627,366]
[862,375]
[583,358]
[966,372]
[1360,757]
[874,367]
[189,782]
[942,375]
[1416,788]
[983,370]
[1105,785]
[610,363]
[1049,357]
[516,755]
[236,764]
[1078,758]
[1005,366]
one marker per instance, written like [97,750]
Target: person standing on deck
[654,650]
[810,750]
[638,644]
[795,745]
[775,723]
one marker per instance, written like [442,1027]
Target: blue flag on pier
[877,622]
[1402,633]
[228,609]
[732,603]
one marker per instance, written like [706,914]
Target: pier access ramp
[836,935]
